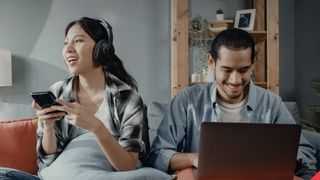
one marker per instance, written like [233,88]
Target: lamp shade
[5,67]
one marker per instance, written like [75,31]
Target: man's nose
[235,78]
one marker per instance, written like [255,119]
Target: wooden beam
[179,46]
[260,67]
[273,44]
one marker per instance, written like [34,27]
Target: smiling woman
[107,117]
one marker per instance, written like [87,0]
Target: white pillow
[11,111]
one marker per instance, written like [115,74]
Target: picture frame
[245,19]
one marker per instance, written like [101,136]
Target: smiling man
[232,97]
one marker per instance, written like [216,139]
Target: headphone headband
[103,51]
[108,28]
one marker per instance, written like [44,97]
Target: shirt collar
[252,95]
[113,84]
[213,92]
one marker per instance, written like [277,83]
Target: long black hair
[111,64]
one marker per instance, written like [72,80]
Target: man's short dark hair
[234,39]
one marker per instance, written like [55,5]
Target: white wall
[34,31]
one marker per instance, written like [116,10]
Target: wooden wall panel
[179,46]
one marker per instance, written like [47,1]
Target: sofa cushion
[293,109]
[18,141]
[155,114]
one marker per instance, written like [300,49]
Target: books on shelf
[220,25]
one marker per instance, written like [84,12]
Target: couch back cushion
[155,114]
[293,109]
[18,145]
[15,111]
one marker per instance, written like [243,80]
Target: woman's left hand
[78,115]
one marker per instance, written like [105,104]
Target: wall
[34,31]
[207,10]
[307,60]
[21,23]
[287,50]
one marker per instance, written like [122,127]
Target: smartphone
[44,98]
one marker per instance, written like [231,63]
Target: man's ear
[253,65]
[210,61]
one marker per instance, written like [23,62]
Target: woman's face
[77,51]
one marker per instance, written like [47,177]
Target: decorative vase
[220,17]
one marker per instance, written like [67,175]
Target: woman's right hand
[47,115]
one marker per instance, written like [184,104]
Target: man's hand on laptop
[194,159]
[180,161]
[297,178]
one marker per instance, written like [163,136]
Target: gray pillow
[293,109]
[11,111]
[155,114]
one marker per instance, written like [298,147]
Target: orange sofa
[18,145]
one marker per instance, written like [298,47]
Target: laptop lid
[248,151]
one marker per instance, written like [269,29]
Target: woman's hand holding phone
[78,115]
[47,115]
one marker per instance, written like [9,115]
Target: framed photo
[245,19]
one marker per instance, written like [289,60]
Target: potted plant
[220,15]
[199,43]
[314,110]
[315,85]
[197,23]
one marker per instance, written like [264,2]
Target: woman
[100,127]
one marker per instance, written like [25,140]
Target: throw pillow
[18,145]
[155,113]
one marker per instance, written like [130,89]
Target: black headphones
[104,50]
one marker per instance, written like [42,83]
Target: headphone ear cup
[103,51]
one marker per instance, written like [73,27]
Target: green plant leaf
[219,11]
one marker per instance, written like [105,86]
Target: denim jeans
[13,174]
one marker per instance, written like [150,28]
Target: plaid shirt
[127,122]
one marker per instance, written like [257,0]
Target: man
[232,97]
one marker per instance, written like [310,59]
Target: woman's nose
[68,47]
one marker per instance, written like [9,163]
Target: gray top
[125,121]
[180,128]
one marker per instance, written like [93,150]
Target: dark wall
[287,52]
[307,52]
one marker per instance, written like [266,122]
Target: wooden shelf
[266,35]
[258,36]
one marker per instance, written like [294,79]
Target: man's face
[233,73]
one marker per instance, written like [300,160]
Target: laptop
[248,151]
